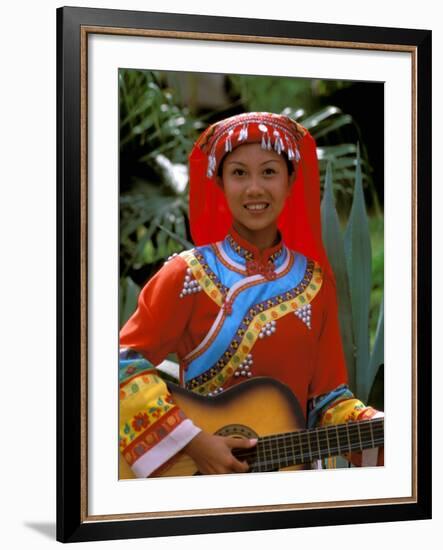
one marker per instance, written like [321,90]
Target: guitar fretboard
[288,449]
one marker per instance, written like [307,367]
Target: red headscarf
[299,222]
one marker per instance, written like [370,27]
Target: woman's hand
[213,453]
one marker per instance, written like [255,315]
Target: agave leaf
[333,241]
[359,262]
[129,292]
[320,116]
[377,355]
[333,151]
[340,121]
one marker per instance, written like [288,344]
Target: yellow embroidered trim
[138,383]
[142,407]
[200,275]
[256,325]
[344,411]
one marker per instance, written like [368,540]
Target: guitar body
[258,407]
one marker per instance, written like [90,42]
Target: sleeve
[340,407]
[152,429]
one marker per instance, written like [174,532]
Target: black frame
[71,525]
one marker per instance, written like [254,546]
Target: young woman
[255,297]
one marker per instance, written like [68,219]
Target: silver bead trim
[244,369]
[304,314]
[268,329]
[172,256]
[265,143]
[190,285]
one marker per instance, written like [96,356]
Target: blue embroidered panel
[243,302]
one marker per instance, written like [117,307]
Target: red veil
[299,222]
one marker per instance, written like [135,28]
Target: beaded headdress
[299,222]
[274,132]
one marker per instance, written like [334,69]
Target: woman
[256,297]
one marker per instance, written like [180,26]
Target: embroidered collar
[257,262]
[250,252]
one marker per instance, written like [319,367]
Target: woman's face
[256,184]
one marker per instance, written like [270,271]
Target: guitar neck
[289,449]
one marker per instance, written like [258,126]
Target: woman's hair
[289,164]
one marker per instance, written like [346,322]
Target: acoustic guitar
[265,409]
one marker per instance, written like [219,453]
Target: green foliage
[150,120]
[128,296]
[333,241]
[351,259]
[275,93]
[156,136]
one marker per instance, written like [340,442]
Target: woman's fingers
[240,443]
[213,453]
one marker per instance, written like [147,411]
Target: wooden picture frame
[74,27]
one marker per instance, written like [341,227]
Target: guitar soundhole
[237,430]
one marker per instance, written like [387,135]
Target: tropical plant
[351,260]
[155,138]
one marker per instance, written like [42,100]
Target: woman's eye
[269,171]
[238,172]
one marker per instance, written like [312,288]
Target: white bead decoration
[190,285]
[244,369]
[215,392]
[268,329]
[304,314]
[172,256]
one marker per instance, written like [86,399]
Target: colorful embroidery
[235,291]
[345,410]
[132,368]
[206,278]
[251,326]
[221,256]
[247,254]
[134,447]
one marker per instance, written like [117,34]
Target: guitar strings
[267,445]
[274,461]
[302,456]
[278,447]
[343,428]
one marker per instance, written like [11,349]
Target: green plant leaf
[330,152]
[320,116]
[129,292]
[378,351]
[339,122]
[185,243]
[359,264]
[333,241]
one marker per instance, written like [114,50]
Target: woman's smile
[256,207]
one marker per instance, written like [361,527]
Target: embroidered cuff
[165,449]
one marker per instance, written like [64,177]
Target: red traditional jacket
[230,313]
